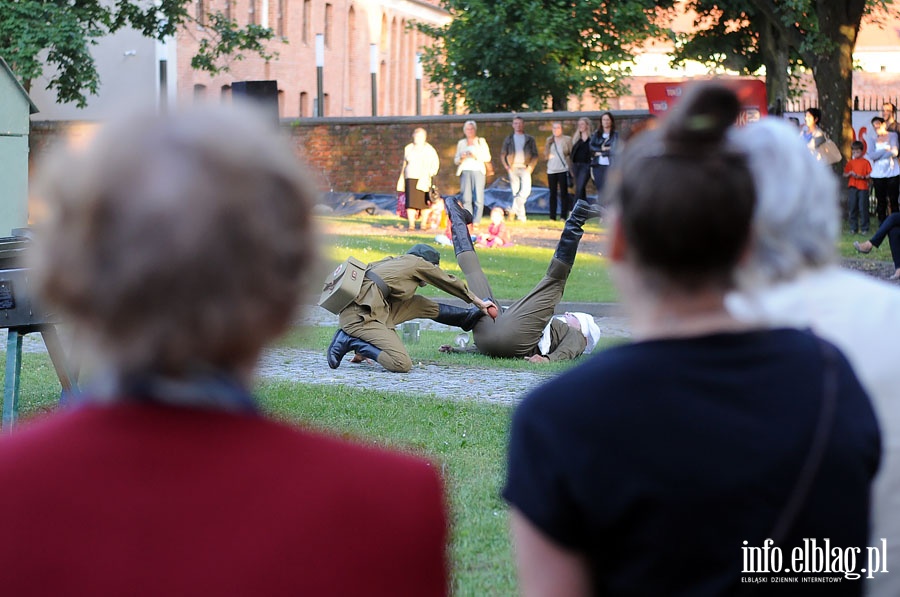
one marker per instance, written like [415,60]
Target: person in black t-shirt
[658,467]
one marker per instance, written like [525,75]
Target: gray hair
[796,221]
[178,243]
[472,122]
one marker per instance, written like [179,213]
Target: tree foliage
[507,55]
[56,35]
[784,37]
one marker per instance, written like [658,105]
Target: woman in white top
[557,152]
[885,168]
[420,164]
[472,152]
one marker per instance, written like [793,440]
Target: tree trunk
[775,54]
[833,71]
[559,102]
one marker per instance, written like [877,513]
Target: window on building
[306,22]
[199,92]
[225,93]
[201,12]
[304,104]
[328,24]
[251,12]
[353,62]
[228,9]
[281,21]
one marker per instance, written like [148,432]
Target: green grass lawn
[467,440]
[512,271]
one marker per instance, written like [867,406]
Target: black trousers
[560,181]
[582,171]
[886,193]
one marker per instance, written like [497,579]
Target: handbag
[488,165]
[828,152]
[812,463]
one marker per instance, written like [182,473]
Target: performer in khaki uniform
[367,324]
[517,330]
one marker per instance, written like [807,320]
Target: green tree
[817,34]
[507,55]
[734,35]
[56,36]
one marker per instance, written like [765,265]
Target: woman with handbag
[472,158]
[557,152]
[420,165]
[603,144]
[653,468]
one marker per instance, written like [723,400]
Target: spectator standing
[857,171]
[581,158]
[603,145]
[557,152]
[793,277]
[420,165]
[622,482]
[177,246]
[883,154]
[519,155]
[813,133]
[472,155]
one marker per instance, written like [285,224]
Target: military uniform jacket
[404,275]
[566,343]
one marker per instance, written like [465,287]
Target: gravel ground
[453,382]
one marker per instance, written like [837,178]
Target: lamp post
[320,66]
[418,84]
[373,71]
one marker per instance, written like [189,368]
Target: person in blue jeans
[472,153]
[889,228]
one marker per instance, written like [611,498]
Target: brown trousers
[356,321]
[517,330]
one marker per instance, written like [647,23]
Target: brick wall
[365,154]
[362,155]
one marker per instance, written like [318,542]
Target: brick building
[352,30]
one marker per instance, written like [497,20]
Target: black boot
[342,343]
[583,211]
[573,230]
[458,317]
[459,230]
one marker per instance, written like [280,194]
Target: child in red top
[857,173]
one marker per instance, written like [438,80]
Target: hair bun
[702,117]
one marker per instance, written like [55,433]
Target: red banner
[661,97]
